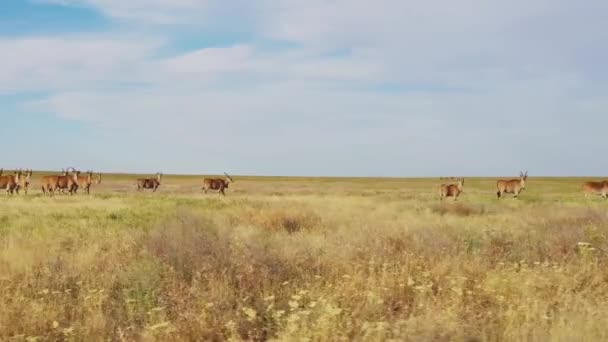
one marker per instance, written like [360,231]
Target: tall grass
[396,264]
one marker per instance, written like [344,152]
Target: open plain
[305,258]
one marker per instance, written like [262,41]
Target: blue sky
[282,87]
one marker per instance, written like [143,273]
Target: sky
[309,88]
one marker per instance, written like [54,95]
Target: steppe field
[304,259]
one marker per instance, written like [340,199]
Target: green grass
[317,258]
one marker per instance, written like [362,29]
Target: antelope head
[28,177]
[460,184]
[522,179]
[228,179]
[98,178]
[159,176]
[75,175]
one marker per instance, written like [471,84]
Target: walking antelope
[217,184]
[24,182]
[85,182]
[451,190]
[10,182]
[149,183]
[70,182]
[512,186]
[50,184]
[596,188]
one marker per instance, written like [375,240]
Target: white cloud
[362,87]
[49,64]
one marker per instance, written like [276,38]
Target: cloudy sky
[316,87]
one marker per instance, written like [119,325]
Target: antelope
[50,184]
[217,184]
[10,182]
[24,182]
[596,188]
[149,183]
[512,186]
[85,183]
[451,190]
[69,182]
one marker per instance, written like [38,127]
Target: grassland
[305,259]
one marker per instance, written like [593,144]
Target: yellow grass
[315,259]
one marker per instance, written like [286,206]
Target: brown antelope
[85,182]
[24,182]
[149,183]
[217,184]
[512,186]
[451,190]
[69,181]
[10,182]
[50,184]
[596,188]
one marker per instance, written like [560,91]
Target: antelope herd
[71,180]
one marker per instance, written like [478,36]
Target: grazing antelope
[596,188]
[149,183]
[451,190]
[10,182]
[217,184]
[24,182]
[512,186]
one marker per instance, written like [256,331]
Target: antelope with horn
[24,182]
[596,188]
[451,190]
[10,182]
[70,182]
[50,184]
[217,184]
[85,182]
[149,183]
[512,186]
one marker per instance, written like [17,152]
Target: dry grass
[305,259]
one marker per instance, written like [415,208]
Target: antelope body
[596,188]
[50,184]
[24,182]
[217,184]
[85,183]
[451,190]
[10,182]
[512,186]
[149,183]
